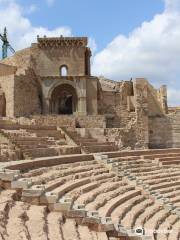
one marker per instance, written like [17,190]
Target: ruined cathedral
[53,78]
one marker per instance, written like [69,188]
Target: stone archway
[63,100]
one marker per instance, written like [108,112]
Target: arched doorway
[63,100]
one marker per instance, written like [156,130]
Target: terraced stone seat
[79,185]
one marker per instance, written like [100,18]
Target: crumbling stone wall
[157,100]
[124,138]
[8,151]
[113,101]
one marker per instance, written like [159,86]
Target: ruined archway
[63,100]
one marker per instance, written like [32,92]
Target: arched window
[63,71]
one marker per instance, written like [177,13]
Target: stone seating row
[159,210]
[77,211]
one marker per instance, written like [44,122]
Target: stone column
[82,108]
[82,100]
[46,106]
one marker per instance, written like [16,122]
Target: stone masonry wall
[97,121]
[114,103]
[164,132]
[7,85]
[27,98]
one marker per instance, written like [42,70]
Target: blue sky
[100,19]
[129,38]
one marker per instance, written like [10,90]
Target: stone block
[93,217]
[78,211]
[9,175]
[147,237]
[100,157]
[120,229]
[22,183]
[48,198]
[106,224]
[169,206]
[64,204]
[34,191]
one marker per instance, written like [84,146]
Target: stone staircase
[89,144]
[38,141]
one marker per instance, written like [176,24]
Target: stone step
[30,142]
[50,161]
[51,151]
[98,143]
[100,148]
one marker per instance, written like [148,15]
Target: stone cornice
[62,42]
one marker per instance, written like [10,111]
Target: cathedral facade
[53,76]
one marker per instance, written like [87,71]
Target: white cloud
[21,32]
[174,95]
[92,45]
[151,51]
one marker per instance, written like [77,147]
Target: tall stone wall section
[142,125]
[113,103]
[27,95]
[164,131]
[7,87]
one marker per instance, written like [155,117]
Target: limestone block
[49,197]
[147,238]
[64,204]
[119,228]
[78,210]
[139,181]
[165,200]
[176,211]
[132,233]
[34,191]
[93,217]
[146,187]
[100,157]
[22,183]
[106,224]
[169,206]
[9,175]
[109,161]
[126,173]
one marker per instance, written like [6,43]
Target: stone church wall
[7,85]
[113,102]
[21,60]
[27,98]
[49,62]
